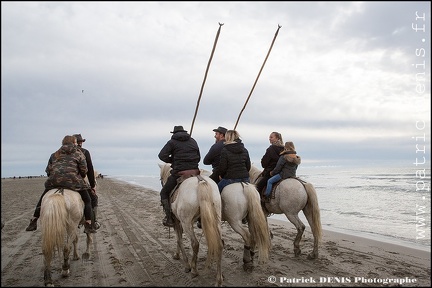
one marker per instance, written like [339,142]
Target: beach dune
[132,248]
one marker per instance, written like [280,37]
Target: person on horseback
[213,155]
[235,162]
[91,180]
[183,153]
[286,167]
[269,159]
[66,168]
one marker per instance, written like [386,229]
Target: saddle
[272,194]
[185,174]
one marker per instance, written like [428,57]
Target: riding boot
[33,225]
[199,223]
[96,224]
[168,220]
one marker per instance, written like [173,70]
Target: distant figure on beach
[91,179]
[213,155]
[183,153]
[286,167]
[235,162]
[66,168]
[269,159]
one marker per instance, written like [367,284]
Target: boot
[32,226]
[199,223]
[167,221]
[96,224]
[88,228]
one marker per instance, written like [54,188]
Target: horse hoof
[85,256]
[176,257]
[193,275]
[248,267]
[297,252]
[312,256]
[187,270]
[65,273]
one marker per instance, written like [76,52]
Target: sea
[389,203]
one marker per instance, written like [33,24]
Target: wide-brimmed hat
[79,138]
[178,129]
[220,129]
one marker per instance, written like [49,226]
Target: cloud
[340,76]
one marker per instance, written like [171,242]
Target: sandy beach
[132,248]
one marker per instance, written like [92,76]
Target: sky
[347,82]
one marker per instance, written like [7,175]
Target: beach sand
[132,248]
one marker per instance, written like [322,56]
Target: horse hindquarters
[53,229]
[210,213]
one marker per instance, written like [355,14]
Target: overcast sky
[347,82]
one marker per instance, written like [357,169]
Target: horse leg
[180,246]
[294,219]
[89,240]
[178,229]
[195,247]
[66,262]
[47,274]
[237,226]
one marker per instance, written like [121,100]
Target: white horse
[61,213]
[239,201]
[197,197]
[290,197]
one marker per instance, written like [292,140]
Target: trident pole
[256,80]
[205,76]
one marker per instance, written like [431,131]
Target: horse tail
[257,223]
[210,219]
[312,211]
[54,219]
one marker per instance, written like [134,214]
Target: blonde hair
[231,136]
[279,141]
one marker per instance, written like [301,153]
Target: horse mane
[254,173]
[165,171]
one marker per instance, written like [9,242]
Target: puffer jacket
[234,162]
[68,170]
[182,152]
[286,166]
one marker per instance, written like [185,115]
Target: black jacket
[182,152]
[213,155]
[234,161]
[270,158]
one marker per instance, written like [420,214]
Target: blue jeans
[225,182]
[270,183]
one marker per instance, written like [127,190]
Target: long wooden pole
[205,77]
[256,80]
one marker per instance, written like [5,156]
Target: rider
[66,169]
[269,159]
[235,162]
[183,153]
[213,155]
[91,179]
[286,167]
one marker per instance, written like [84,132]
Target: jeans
[270,183]
[225,182]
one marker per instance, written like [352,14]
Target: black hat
[178,129]
[79,138]
[220,129]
